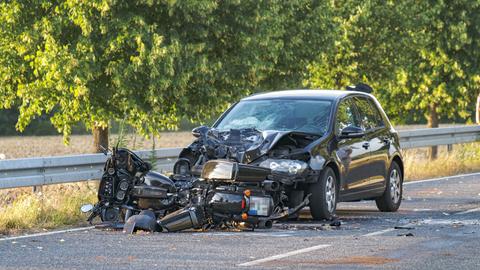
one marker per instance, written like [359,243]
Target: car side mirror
[351,132]
[198,131]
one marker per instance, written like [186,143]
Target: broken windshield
[309,116]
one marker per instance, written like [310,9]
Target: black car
[336,145]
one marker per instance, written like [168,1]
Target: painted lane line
[46,233]
[284,255]
[450,222]
[468,211]
[387,230]
[441,178]
[379,232]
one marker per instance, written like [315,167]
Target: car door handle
[366,145]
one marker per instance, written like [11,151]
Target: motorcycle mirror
[104,150]
[198,131]
[86,208]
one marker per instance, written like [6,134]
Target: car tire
[392,197]
[323,200]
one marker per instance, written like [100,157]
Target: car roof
[305,94]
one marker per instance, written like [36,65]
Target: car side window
[345,116]
[369,114]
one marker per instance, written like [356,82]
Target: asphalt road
[437,227]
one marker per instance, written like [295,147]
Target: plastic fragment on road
[406,234]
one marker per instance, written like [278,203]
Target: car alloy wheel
[330,194]
[395,189]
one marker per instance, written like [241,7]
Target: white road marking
[468,211]
[388,230]
[379,232]
[284,255]
[46,233]
[441,178]
[422,210]
[450,222]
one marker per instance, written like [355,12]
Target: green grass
[56,206]
[464,158]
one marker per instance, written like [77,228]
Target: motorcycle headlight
[182,167]
[123,185]
[285,165]
[120,195]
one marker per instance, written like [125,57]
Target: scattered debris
[406,234]
[403,228]
[336,223]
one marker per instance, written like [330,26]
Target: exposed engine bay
[236,178]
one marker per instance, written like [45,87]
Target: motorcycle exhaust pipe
[187,218]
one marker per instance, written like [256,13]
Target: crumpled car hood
[247,145]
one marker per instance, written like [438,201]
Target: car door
[351,153]
[376,144]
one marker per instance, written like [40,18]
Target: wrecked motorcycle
[232,195]
[229,192]
[128,186]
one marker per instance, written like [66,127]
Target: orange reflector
[244,216]
[247,192]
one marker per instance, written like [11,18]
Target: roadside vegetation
[58,205]
[463,158]
[52,207]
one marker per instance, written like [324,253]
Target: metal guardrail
[438,136]
[64,169]
[27,172]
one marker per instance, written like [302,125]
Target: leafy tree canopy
[421,57]
[150,62]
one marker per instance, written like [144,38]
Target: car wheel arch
[335,169]
[399,161]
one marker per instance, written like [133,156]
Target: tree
[421,57]
[370,40]
[442,75]
[147,62]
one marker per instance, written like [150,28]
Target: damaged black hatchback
[326,146]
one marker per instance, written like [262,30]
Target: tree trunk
[433,123]
[100,138]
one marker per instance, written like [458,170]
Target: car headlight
[285,165]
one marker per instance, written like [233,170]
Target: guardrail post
[449,147]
